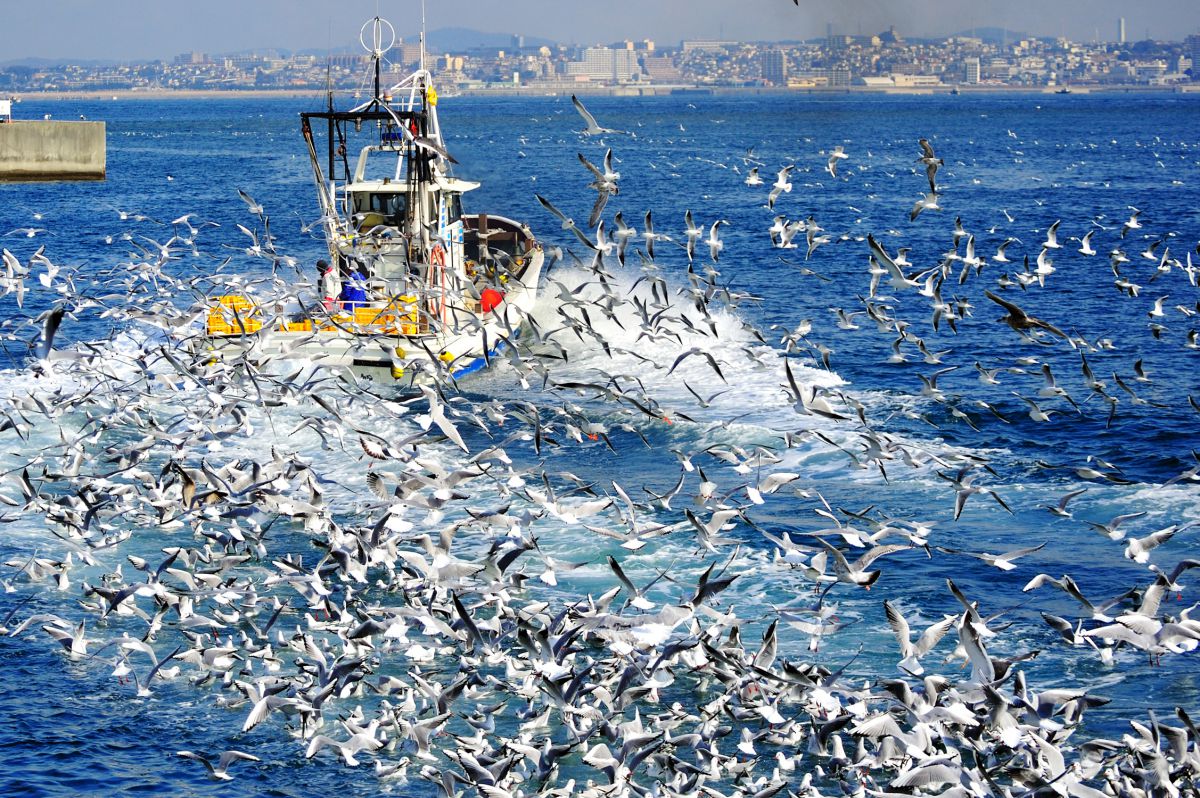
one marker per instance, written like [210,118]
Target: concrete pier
[52,150]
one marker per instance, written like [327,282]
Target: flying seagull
[593,129]
[1021,321]
[931,162]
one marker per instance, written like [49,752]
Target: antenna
[329,64]
[422,35]
[377,47]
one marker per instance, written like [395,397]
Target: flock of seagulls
[431,625]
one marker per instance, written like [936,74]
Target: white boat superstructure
[426,289]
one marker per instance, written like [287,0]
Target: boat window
[453,207]
[391,206]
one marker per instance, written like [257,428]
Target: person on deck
[354,289]
[330,286]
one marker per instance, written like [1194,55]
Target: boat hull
[391,350]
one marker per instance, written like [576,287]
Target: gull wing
[591,167]
[592,127]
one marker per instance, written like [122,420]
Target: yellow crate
[236,301]
[373,316]
[298,326]
[231,315]
[335,324]
[234,326]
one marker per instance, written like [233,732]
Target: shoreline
[612,91]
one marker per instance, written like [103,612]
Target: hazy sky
[136,30]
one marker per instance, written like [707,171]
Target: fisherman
[329,285]
[354,289]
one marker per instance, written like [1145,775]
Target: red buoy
[489,299]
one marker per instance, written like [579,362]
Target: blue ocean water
[1014,165]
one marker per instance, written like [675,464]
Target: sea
[1014,165]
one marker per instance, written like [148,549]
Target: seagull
[1139,371]
[1060,509]
[781,186]
[1085,245]
[988,376]
[909,651]
[927,202]
[965,487]
[929,384]
[856,573]
[567,222]
[426,143]
[28,232]
[651,236]
[1132,224]
[605,184]
[1051,241]
[1035,411]
[1052,389]
[715,245]
[592,129]
[707,356]
[838,154]
[1111,529]
[931,162]
[752,179]
[621,236]
[1000,257]
[219,771]
[51,320]
[898,278]
[1021,321]
[1001,561]
[1138,549]
[693,234]
[254,207]
[778,229]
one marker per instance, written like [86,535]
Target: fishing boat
[434,292]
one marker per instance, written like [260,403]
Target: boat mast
[420,162]
[422,64]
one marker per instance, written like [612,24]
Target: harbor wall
[52,150]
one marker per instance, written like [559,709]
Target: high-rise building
[1191,48]
[1121,30]
[606,64]
[971,70]
[410,53]
[774,67]
[661,69]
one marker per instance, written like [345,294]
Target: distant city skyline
[139,30]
